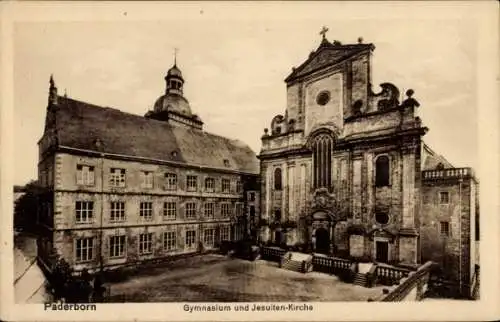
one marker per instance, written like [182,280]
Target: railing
[331,265]
[475,284]
[412,287]
[447,173]
[272,253]
[390,275]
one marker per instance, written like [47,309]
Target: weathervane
[175,56]
[323,32]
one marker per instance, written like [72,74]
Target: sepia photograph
[227,157]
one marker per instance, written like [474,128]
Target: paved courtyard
[212,278]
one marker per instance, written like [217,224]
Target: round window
[382,218]
[323,98]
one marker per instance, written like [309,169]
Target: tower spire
[52,91]
[175,56]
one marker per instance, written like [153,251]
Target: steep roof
[80,125]
[327,54]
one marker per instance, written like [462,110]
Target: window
[252,211]
[117,211]
[225,209]
[239,186]
[239,209]
[252,196]
[84,249]
[382,171]
[277,179]
[84,211]
[170,181]
[169,210]
[382,218]
[322,147]
[323,98]
[145,243]
[224,233]
[208,237]
[117,177]
[444,197]
[226,163]
[116,246]
[190,238]
[190,210]
[85,175]
[192,183]
[210,184]
[277,215]
[169,240]
[146,179]
[209,210]
[226,185]
[146,210]
[444,228]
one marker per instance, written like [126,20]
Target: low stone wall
[410,288]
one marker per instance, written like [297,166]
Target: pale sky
[234,67]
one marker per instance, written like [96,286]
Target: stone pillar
[356,188]
[408,235]
[291,191]
[286,191]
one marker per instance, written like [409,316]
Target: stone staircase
[297,262]
[360,279]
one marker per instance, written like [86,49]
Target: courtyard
[214,278]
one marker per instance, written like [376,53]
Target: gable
[327,55]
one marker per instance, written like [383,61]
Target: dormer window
[226,163]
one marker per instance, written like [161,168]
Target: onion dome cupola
[173,107]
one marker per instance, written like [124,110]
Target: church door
[322,241]
[382,249]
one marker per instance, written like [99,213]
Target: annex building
[345,171]
[123,188]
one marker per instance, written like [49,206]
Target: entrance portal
[382,251]
[322,241]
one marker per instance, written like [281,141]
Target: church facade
[121,189]
[345,171]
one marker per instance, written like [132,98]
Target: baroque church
[345,171]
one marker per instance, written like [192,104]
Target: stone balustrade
[272,253]
[451,173]
[389,275]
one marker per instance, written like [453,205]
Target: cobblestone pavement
[218,278]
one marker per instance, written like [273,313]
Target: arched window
[382,170]
[277,215]
[277,179]
[322,147]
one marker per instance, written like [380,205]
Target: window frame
[88,211]
[278,179]
[85,175]
[145,210]
[169,244]
[189,244]
[380,180]
[145,242]
[167,215]
[120,246]
[209,184]
[225,209]
[211,241]
[444,232]
[225,185]
[170,181]
[440,197]
[113,211]
[188,209]
[145,183]
[189,183]
[87,248]
[225,230]
[117,177]
[209,206]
